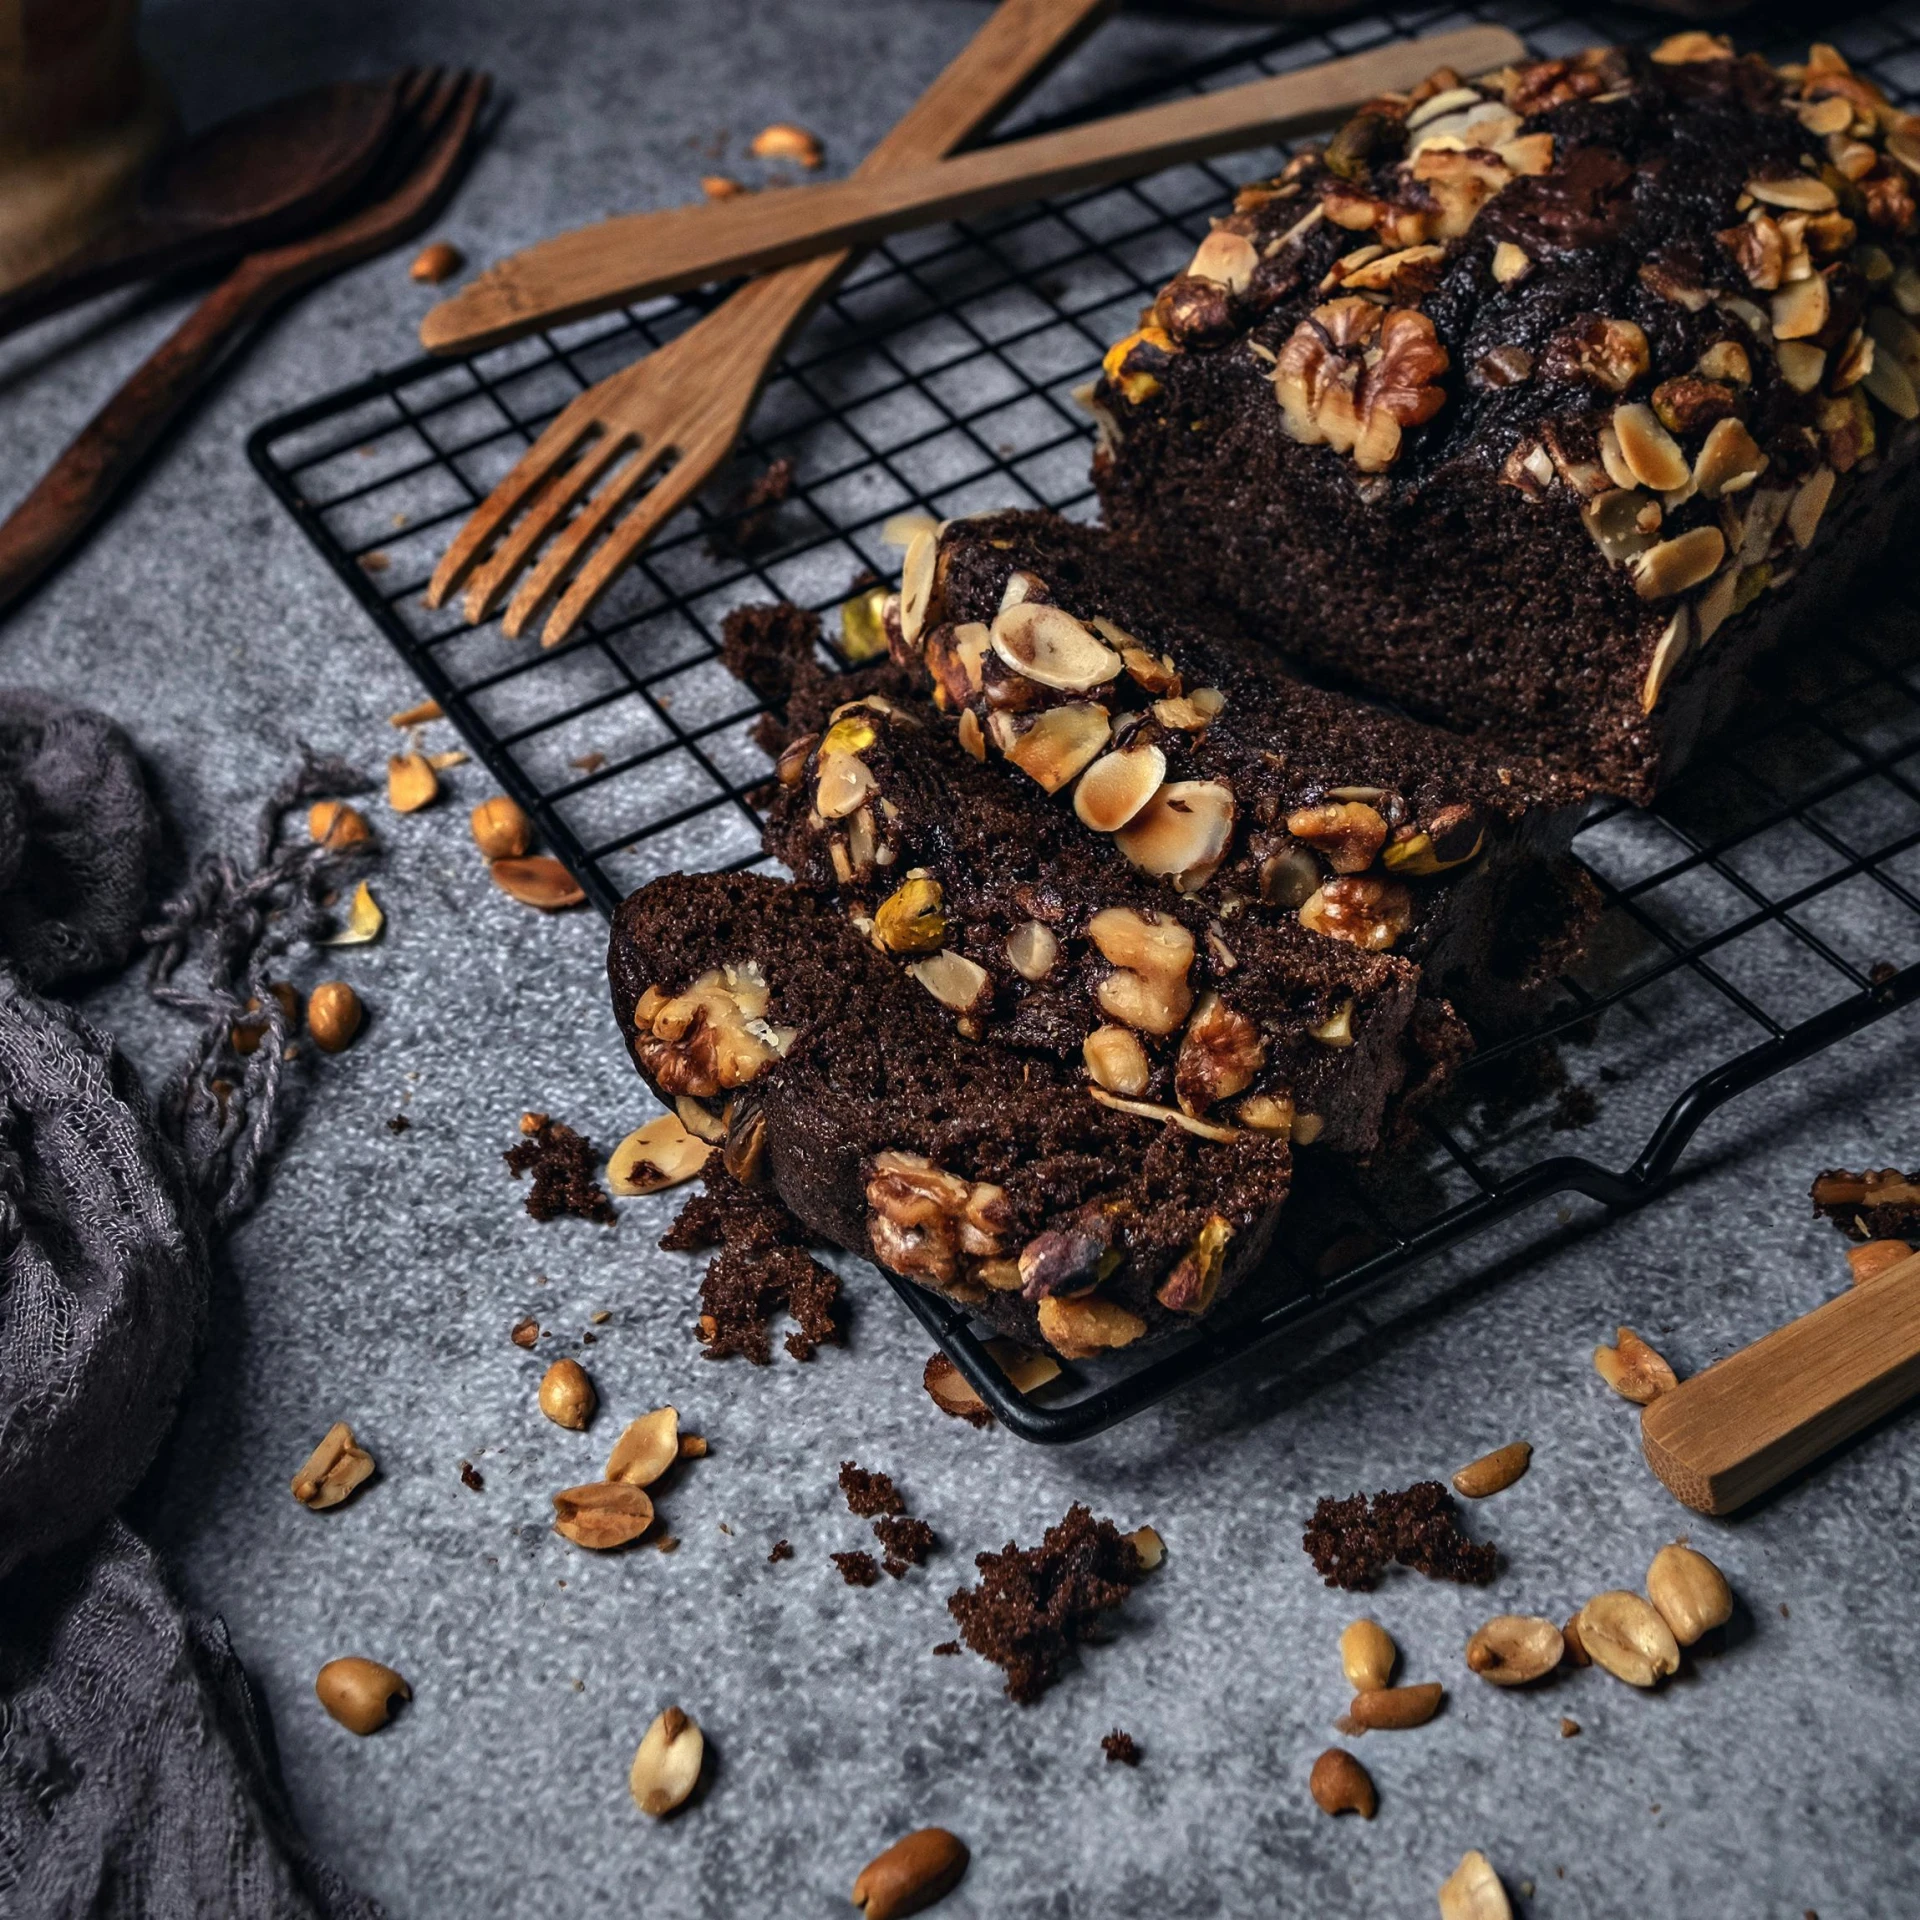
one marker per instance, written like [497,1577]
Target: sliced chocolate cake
[1126,726]
[994,1177]
[1540,405]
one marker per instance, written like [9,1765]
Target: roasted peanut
[666,1765]
[1367,1655]
[1622,1633]
[1688,1592]
[1493,1472]
[1632,1368]
[1397,1707]
[913,1873]
[1340,1784]
[567,1397]
[334,1014]
[501,829]
[1472,1891]
[360,1693]
[1514,1648]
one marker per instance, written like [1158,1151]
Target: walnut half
[712,1037]
[922,1220]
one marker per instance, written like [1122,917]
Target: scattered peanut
[913,1873]
[1472,1891]
[784,141]
[417,715]
[1576,1648]
[567,1397]
[1367,1656]
[360,1693]
[647,1449]
[1396,1707]
[1688,1592]
[364,920]
[1622,1633]
[1148,1545]
[1632,1368]
[720,186]
[335,825]
[411,782]
[1868,1262]
[538,880]
[254,1025]
[666,1765]
[1494,1472]
[501,829]
[440,261]
[602,1514]
[333,1469]
[1340,1784]
[334,1014]
[1515,1648]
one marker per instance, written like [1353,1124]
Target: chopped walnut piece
[710,1038]
[1349,832]
[1611,354]
[1360,909]
[922,1220]
[1219,1055]
[1688,403]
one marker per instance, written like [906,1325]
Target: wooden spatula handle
[643,254]
[1727,1435]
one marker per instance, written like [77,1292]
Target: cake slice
[990,1175]
[1541,405]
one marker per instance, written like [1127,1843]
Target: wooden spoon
[641,254]
[261,176]
[1724,1437]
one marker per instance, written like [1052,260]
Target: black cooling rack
[1765,909]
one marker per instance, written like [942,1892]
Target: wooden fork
[684,405]
[433,124]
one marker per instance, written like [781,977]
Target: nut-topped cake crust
[1540,403]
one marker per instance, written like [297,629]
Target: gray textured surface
[379,1278]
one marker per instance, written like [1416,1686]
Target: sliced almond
[417,716]
[845,784]
[1170,1116]
[1059,743]
[1117,786]
[1510,263]
[1891,384]
[900,529]
[1800,309]
[955,981]
[699,1121]
[364,920]
[1729,459]
[1229,258]
[1802,367]
[953,1393]
[1677,564]
[603,1514]
[666,1766]
[968,732]
[411,782]
[1649,449]
[1798,192]
[1047,645]
[1032,948]
[1668,652]
[538,880]
[1808,504]
[659,1155]
[648,1447]
[916,582]
[1182,833]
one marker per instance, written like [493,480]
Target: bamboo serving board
[1729,1434]
[639,255]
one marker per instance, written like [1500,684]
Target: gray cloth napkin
[136,1779]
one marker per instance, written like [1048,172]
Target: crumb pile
[562,1163]
[1352,1542]
[1034,1605]
[873,1496]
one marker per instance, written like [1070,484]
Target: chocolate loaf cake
[986,1174]
[1132,729]
[1541,405]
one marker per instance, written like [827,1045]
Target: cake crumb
[948,1646]
[524,1333]
[747,523]
[782,1550]
[869,1493]
[908,1542]
[471,1476]
[760,1269]
[399,1124]
[562,1163]
[857,1569]
[1568,1728]
[1035,1604]
[1353,1541]
[1122,1748]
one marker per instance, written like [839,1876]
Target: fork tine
[548,510]
[533,470]
[548,577]
[651,512]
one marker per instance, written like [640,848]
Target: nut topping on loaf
[1674,297]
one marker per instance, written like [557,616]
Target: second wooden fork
[673,417]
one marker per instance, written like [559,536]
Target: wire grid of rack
[1766,908]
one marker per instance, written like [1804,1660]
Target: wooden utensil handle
[1724,1437]
[637,255]
[77,487]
